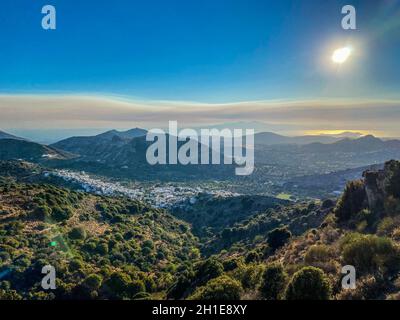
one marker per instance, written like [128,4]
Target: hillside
[101,143]
[115,248]
[101,247]
[31,151]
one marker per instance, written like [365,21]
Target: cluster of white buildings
[166,196]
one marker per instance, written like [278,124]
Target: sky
[183,55]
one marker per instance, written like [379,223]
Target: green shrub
[61,214]
[102,248]
[77,233]
[317,253]
[221,288]
[42,212]
[278,237]
[252,256]
[352,201]
[370,253]
[273,282]
[92,282]
[309,283]
[209,269]
[135,287]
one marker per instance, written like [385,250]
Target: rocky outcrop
[378,185]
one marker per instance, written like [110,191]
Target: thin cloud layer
[73,111]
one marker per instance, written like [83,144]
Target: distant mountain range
[363,144]
[270,138]
[278,158]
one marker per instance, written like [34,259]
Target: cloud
[83,111]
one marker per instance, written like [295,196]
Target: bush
[368,288]
[352,201]
[42,212]
[278,237]
[118,284]
[135,287]
[370,254]
[77,233]
[221,288]
[317,253]
[252,256]
[273,282]
[92,282]
[102,248]
[62,214]
[309,283]
[209,269]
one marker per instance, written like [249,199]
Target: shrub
[273,282]
[252,256]
[209,269]
[386,226]
[102,248]
[117,285]
[278,237]
[42,212]
[230,264]
[77,233]
[317,253]
[368,288]
[221,288]
[61,214]
[136,287]
[352,200]
[309,283]
[92,282]
[369,253]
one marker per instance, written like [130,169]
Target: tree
[209,269]
[117,285]
[221,288]
[352,201]
[273,282]
[92,282]
[278,237]
[77,233]
[309,283]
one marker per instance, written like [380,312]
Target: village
[158,195]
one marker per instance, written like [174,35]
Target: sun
[341,55]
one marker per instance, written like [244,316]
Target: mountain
[5,135]
[270,138]
[113,154]
[31,151]
[367,143]
[91,145]
[129,134]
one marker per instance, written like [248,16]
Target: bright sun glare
[341,55]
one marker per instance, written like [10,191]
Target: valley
[114,232]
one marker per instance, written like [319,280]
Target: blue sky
[207,51]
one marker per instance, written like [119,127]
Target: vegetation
[309,283]
[116,248]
